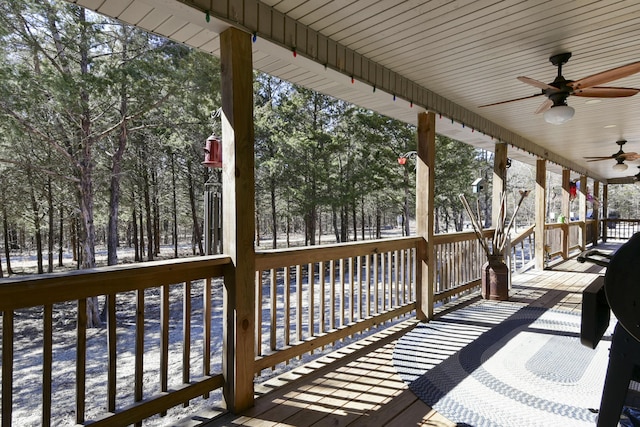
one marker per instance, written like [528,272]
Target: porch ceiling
[445,56]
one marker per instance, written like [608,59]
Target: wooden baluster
[310,295]
[7,367]
[367,279]
[81,360]
[342,289]
[287,306]
[139,347]
[112,352]
[352,294]
[273,327]
[164,341]
[206,330]
[47,360]
[332,295]
[186,335]
[299,302]
[376,301]
[259,295]
[360,285]
[322,281]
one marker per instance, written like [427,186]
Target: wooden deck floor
[358,385]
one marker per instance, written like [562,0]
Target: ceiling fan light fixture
[559,114]
[620,167]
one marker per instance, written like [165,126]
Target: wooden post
[499,181]
[596,212]
[425,187]
[582,212]
[564,211]
[605,211]
[540,209]
[238,224]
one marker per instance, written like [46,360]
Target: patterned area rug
[502,364]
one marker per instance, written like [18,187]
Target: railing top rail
[523,235]
[69,286]
[460,236]
[277,258]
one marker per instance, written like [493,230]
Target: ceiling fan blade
[511,100]
[544,106]
[606,76]
[606,92]
[631,156]
[597,159]
[536,83]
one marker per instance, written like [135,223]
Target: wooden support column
[582,212]
[425,187]
[238,223]
[565,210]
[596,213]
[541,212]
[499,180]
[605,211]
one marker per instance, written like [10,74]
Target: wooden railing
[132,369]
[459,258]
[522,250]
[619,228]
[313,296]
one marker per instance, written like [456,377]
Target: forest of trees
[103,128]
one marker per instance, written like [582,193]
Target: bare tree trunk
[134,220]
[61,238]
[274,215]
[51,234]
[362,225]
[174,206]
[257,220]
[156,211]
[5,230]
[36,221]
[354,217]
[141,234]
[116,173]
[197,233]
[74,238]
[147,209]
[334,220]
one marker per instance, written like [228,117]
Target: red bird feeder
[402,160]
[213,152]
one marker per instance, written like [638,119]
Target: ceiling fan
[555,108]
[619,157]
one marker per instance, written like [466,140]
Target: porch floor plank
[359,385]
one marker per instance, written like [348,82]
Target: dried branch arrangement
[500,235]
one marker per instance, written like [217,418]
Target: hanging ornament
[207,17]
[295,54]
[255,37]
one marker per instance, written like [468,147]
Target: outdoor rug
[504,364]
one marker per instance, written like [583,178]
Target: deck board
[358,385]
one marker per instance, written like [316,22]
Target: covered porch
[262,309]
[359,385]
